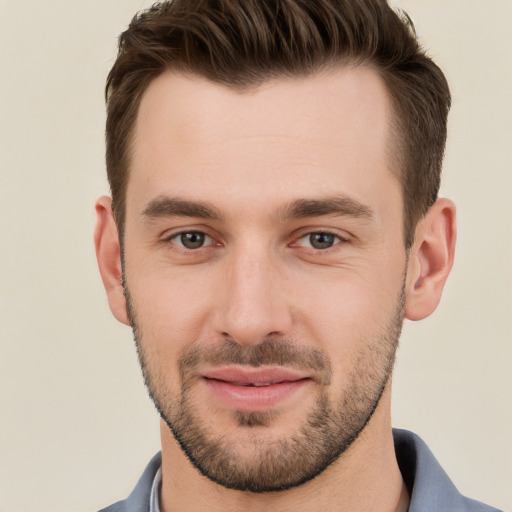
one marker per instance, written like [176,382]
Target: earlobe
[430,260]
[108,254]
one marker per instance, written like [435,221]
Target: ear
[430,260]
[108,254]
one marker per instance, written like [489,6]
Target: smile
[255,384]
[254,389]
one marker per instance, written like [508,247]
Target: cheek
[349,308]
[171,309]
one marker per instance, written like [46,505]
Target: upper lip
[250,375]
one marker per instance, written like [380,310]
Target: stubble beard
[275,464]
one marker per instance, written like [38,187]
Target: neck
[365,478]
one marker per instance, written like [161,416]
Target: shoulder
[138,501]
[429,486]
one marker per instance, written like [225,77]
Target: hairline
[396,146]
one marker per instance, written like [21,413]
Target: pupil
[192,240]
[321,240]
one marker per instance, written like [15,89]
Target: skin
[249,156]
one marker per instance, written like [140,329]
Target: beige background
[76,427]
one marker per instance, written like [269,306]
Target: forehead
[276,141]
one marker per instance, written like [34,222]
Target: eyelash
[175,239]
[176,236]
[338,240]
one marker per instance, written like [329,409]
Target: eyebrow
[337,205]
[297,209]
[175,207]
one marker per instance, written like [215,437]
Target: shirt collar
[154,497]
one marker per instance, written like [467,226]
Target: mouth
[254,389]
[257,384]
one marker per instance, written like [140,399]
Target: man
[274,169]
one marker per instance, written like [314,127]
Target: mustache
[269,352]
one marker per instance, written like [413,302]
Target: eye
[319,240]
[192,239]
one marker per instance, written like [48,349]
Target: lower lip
[254,398]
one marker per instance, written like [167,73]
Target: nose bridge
[254,305]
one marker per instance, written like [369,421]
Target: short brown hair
[242,43]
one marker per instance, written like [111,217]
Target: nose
[253,303]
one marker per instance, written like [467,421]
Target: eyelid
[171,236]
[176,239]
[342,238]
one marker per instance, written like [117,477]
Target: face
[264,269]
